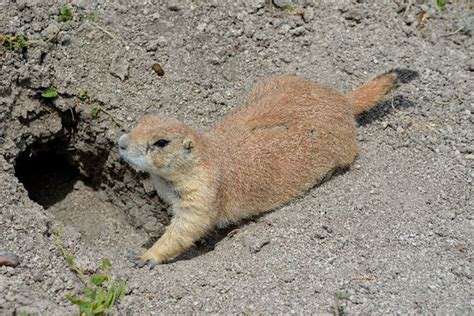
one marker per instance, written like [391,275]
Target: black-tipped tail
[404,75]
[370,93]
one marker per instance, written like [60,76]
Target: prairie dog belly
[166,192]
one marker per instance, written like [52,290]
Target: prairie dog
[289,135]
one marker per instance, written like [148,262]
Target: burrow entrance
[77,176]
[48,176]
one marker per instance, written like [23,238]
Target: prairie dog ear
[188,144]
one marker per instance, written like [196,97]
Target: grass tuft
[100,293]
[65,13]
[50,93]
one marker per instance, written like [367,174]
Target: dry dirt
[395,231]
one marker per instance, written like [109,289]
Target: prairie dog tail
[370,93]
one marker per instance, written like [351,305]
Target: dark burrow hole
[68,184]
[47,173]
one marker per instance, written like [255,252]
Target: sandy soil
[395,231]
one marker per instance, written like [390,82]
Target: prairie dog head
[158,145]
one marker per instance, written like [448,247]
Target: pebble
[10,297]
[308,14]
[298,31]
[152,45]
[280,3]
[51,30]
[174,6]
[8,259]
[285,28]
[258,245]
[354,15]
[119,66]
[201,27]
[448,215]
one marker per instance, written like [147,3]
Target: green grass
[14,41]
[441,3]
[84,96]
[65,13]
[95,110]
[50,93]
[288,8]
[101,292]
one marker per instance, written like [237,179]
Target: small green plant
[50,93]
[14,41]
[441,4]
[97,107]
[92,16]
[95,110]
[23,313]
[84,96]
[288,8]
[101,293]
[65,14]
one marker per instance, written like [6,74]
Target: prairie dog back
[287,137]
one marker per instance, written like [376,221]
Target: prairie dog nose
[123,142]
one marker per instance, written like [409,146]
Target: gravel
[393,234]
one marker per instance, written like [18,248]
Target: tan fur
[371,92]
[288,136]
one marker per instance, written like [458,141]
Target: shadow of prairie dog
[289,135]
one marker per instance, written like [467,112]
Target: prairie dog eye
[161,143]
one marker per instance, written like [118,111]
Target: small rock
[10,297]
[51,30]
[148,186]
[448,214]
[280,3]
[162,41]
[298,31]
[320,234]
[409,19]
[308,14]
[258,245]
[64,39]
[152,225]
[443,149]
[289,276]
[38,277]
[355,15]
[460,271]
[201,27]
[152,45]
[285,28]
[119,66]
[8,259]
[257,4]
[467,24]
[174,6]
